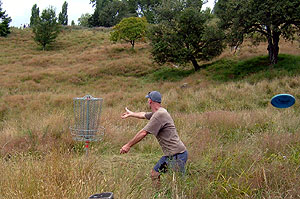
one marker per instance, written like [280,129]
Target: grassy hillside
[239,145]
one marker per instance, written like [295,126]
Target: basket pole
[87,147]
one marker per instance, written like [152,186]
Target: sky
[209,4]
[20,10]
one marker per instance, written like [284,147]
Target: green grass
[254,69]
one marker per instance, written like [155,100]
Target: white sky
[20,10]
[210,4]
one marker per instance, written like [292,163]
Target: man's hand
[128,113]
[124,149]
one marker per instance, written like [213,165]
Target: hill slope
[239,145]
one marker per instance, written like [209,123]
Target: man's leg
[161,166]
[181,161]
[178,161]
[155,176]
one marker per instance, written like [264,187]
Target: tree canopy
[257,19]
[47,28]
[83,20]
[130,29]
[108,12]
[63,15]
[4,22]
[185,34]
[146,8]
[35,15]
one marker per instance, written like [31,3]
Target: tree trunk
[273,47]
[132,44]
[195,64]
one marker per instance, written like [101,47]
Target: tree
[147,9]
[47,28]
[134,8]
[144,8]
[72,23]
[257,19]
[185,34]
[63,15]
[4,22]
[35,15]
[108,12]
[111,12]
[84,20]
[130,30]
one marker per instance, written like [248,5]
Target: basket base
[105,195]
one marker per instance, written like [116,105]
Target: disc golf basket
[87,111]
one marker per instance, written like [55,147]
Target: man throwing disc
[161,125]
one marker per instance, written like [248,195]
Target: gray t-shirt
[161,125]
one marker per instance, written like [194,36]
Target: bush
[130,29]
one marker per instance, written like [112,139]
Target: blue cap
[155,96]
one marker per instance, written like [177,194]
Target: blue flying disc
[283,100]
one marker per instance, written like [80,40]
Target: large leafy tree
[84,20]
[63,15]
[111,12]
[130,30]
[144,8]
[35,15]
[185,34]
[108,12]
[4,22]
[267,19]
[47,29]
[147,8]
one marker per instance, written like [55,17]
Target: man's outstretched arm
[128,113]
[138,137]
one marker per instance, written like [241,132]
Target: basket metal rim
[82,139]
[99,133]
[88,98]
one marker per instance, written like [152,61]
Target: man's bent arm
[139,115]
[128,113]
[138,137]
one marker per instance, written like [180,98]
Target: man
[161,125]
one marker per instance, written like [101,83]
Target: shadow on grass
[254,69]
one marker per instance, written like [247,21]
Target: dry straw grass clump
[239,145]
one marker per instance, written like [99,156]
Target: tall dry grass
[239,145]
